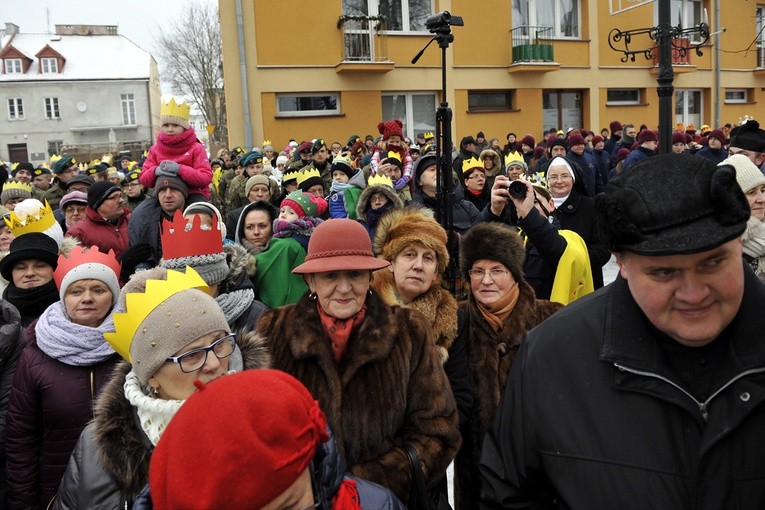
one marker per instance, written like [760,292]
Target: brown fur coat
[389,389]
[490,356]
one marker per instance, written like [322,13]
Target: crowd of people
[276,329]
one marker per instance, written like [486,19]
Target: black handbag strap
[418,477]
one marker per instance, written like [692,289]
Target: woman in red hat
[375,370]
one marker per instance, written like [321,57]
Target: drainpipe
[243,75]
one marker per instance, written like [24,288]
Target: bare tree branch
[191,54]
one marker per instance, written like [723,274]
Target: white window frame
[684,115]
[308,113]
[409,127]
[15,108]
[49,65]
[372,9]
[686,15]
[624,102]
[13,66]
[52,111]
[730,96]
[556,30]
[760,25]
[127,106]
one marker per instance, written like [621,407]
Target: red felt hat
[340,245]
[242,440]
[390,128]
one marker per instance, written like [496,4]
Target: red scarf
[339,330]
[177,145]
[347,497]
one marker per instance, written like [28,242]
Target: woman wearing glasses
[500,309]
[177,338]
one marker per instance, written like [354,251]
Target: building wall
[288,53]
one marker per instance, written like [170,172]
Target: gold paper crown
[13,166]
[54,158]
[139,305]
[379,180]
[305,175]
[173,109]
[31,223]
[14,184]
[267,142]
[470,164]
[428,135]
[513,156]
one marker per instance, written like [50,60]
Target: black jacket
[11,345]
[594,417]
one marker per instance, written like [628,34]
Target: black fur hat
[672,204]
[493,241]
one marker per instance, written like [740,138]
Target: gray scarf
[71,343]
[234,303]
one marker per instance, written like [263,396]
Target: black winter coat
[577,213]
[11,345]
[595,417]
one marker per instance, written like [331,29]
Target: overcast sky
[137,19]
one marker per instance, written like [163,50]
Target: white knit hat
[748,175]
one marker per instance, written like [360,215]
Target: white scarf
[153,413]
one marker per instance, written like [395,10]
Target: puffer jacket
[11,345]
[110,464]
[94,230]
[50,404]
[595,417]
[329,471]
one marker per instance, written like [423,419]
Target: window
[49,65]
[54,146]
[296,105]
[13,66]
[401,15]
[622,96]
[736,96]
[562,109]
[51,108]
[128,109]
[561,15]
[15,108]
[686,13]
[759,13]
[688,107]
[416,111]
[490,100]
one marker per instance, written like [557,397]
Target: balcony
[532,49]
[365,45]
[681,57]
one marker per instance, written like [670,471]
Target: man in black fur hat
[649,393]
[748,139]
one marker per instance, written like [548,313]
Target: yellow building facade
[302,69]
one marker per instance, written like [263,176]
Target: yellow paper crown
[54,158]
[13,166]
[428,135]
[14,184]
[139,305]
[267,142]
[470,164]
[513,156]
[42,221]
[173,109]
[379,180]
[305,175]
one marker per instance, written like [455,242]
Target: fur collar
[437,305]
[366,196]
[123,448]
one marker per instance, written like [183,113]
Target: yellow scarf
[497,313]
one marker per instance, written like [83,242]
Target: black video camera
[442,20]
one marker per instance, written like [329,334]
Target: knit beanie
[748,175]
[164,312]
[15,189]
[24,165]
[748,136]
[279,429]
[290,175]
[177,183]
[647,135]
[391,128]
[305,204]
[528,140]
[493,241]
[188,244]
[718,134]
[400,228]
[678,137]
[256,179]
[575,139]
[282,160]
[88,264]
[615,126]
[343,164]
[99,192]
[172,112]
[596,140]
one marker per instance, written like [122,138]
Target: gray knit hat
[190,244]
[179,319]
[15,189]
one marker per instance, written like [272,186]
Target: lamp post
[662,37]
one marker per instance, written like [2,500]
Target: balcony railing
[681,52]
[364,38]
[532,44]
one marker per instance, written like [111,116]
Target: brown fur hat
[493,241]
[399,228]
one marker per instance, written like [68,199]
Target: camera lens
[517,189]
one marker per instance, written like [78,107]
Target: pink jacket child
[179,144]
[392,141]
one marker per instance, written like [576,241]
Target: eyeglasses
[562,177]
[196,358]
[494,274]
[132,185]
[479,175]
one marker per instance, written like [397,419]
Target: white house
[83,90]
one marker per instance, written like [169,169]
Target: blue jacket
[589,167]
[328,472]
[636,156]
